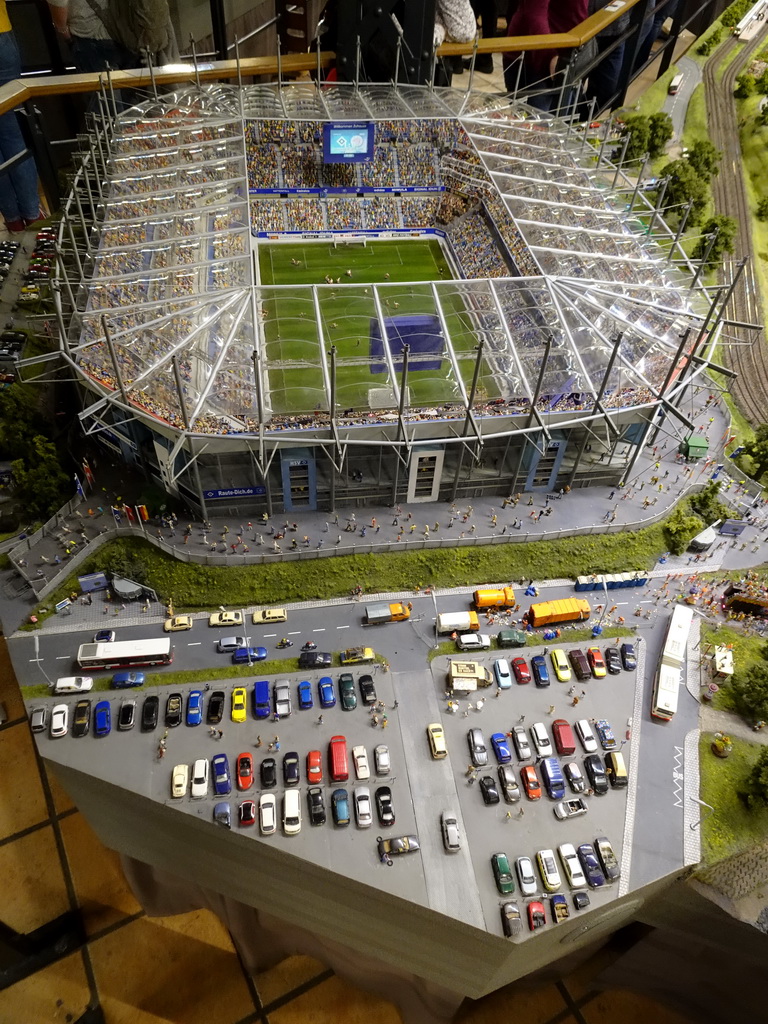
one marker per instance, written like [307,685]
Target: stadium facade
[555,332]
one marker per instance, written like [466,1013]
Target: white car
[360,758]
[291,812]
[381,759]
[572,870]
[59,721]
[541,740]
[226,619]
[267,814]
[363,814]
[73,684]
[586,736]
[570,808]
[180,780]
[473,642]
[200,779]
[451,834]
[526,876]
[550,876]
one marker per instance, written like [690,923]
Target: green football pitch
[344,311]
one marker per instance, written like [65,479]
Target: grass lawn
[695,127]
[746,652]
[654,96]
[733,827]
[195,587]
[726,62]
[347,310]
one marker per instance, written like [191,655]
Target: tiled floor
[184,969]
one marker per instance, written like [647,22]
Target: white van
[200,779]
[73,684]
[291,812]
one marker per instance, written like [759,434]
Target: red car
[314,767]
[244,771]
[521,670]
[246,813]
[536,916]
[530,781]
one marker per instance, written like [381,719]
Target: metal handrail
[16,93]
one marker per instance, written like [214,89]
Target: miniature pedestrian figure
[221,734]
[384,722]
[583,694]
[212,731]
[498,692]
[258,741]
[320,720]
[574,702]
[521,719]
[396,705]
[520,812]
[375,720]
[508,816]
[551,710]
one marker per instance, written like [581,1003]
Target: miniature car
[381,759]
[316,805]
[225,619]
[194,707]
[347,693]
[473,642]
[536,916]
[314,659]
[570,808]
[267,814]
[126,715]
[367,690]
[526,876]
[596,662]
[488,790]
[501,747]
[613,660]
[449,826]
[559,908]
[505,883]
[531,783]
[239,704]
[384,809]
[180,781]
[477,750]
[595,770]
[521,670]
[340,807]
[360,761]
[81,720]
[177,622]
[607,858]
[362,799]
[574,875]
[305,696]
[268,773]
[508,783]
[628,656]
[511,921]
[574,777]
[220,767]
[291,768]
[173,707]
[222,814]
[246,813]
[104,636]
[215,707]
[150,710]
[393,847]
[520,740]
[125,680]
[540,670]
[605,733]
[314,767]
[102,719]
[244,771]
[591,866]
[325,692]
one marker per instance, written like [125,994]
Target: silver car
[451,834]
[282,699]
[522,746]
[477,749]
[381,759]
[508,785]
[363,815]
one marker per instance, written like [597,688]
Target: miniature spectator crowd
[176,225]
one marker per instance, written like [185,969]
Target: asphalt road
[677,106]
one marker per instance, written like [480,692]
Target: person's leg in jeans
[604,79]
[19,200]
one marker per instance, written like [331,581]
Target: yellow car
[436,738]
[178,622]
[239,703]
[265,616]
[560,665]
[226,619]
[596,662]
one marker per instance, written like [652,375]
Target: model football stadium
[301,297]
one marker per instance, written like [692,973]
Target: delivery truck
[383,612]
[466,676]
[503,597]
[569,609]
[457,622]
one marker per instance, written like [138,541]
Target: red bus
[337,759]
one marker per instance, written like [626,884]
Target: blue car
[194,707]
[500,746]
[221,783]
[122,680]
[340,807]
[605,733]
[305,696]
[540,670]
[102,719]
[246,655]
[326,693]
[590,865]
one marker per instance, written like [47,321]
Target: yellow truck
[502,597]
[467,676]
[569,609]
[384,612]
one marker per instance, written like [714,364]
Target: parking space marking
[195,643]
[62,657]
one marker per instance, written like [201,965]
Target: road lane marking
[342,627]
[195,643]
[322,630]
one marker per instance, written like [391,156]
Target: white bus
[666,685]
[125,654]
[674,85]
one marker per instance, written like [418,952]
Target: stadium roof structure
[168,321]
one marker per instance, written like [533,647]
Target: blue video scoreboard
[347,142]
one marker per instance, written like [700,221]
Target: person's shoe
[15,226]
[483,64]
[31,222]
[455,65]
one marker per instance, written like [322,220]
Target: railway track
[749,356]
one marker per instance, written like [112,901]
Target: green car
[505,883]
[347,693]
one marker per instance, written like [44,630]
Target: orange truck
[569,609]
[502,597]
